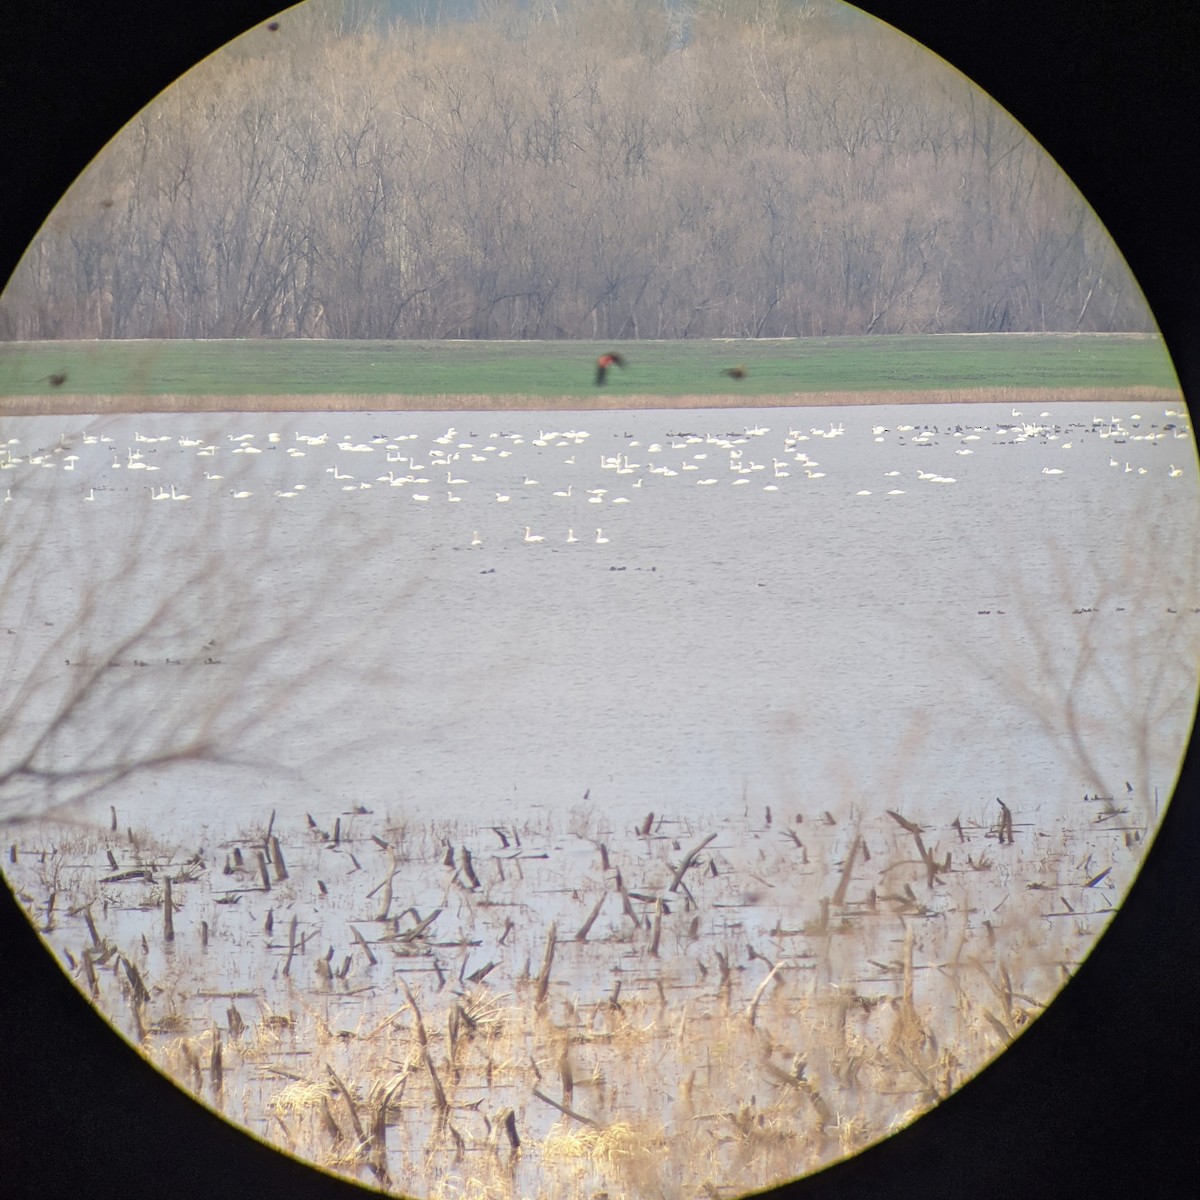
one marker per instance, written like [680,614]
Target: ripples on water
[855,610]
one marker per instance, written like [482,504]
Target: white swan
[476,540]
[566,495]
[601,540]
[571,538]
[532,537]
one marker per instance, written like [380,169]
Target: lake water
[1021,621]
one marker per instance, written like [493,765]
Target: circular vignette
[1090,1096]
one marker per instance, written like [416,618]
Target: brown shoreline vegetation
[492,1008]
[93,405]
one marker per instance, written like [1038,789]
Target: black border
[1100,1095]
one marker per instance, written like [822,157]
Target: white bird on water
[532,537]
[571,538]
[601,540]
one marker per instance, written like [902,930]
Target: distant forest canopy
[570,169]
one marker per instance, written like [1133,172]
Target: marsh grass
[776,1029]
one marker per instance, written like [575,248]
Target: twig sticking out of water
[281,871]
[386,903]
[507,1120]
[658,912]
[350,1106]
[168,913]
[1006,823]
[688,859]
[141,994]
[287,966]
[358,937]
[216,1068]
[89,973]
[839,896]
[418,1024]
[931,866]
[581,936]
[469,868]
[543,979]
[568,1112]
[752,1010]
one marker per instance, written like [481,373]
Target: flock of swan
[494,468]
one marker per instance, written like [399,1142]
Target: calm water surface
[976,626]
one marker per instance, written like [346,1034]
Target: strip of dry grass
[94,405]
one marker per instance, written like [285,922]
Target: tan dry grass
[92,405]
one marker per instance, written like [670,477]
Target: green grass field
[565,370]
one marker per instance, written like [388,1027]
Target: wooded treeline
[587,168]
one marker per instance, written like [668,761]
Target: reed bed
[491,1009]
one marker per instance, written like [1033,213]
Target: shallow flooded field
[669,804]
[669,1009]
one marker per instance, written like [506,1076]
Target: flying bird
[738,372]
[603,363]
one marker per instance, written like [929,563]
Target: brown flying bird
[738,372]
[605,361]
